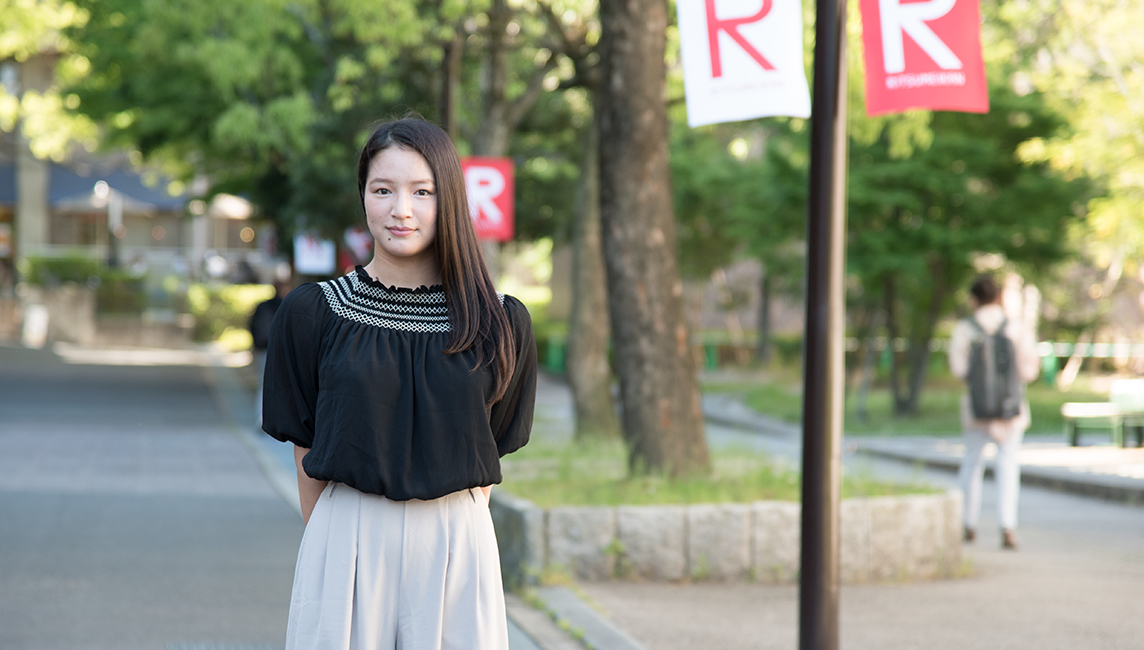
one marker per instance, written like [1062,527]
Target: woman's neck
[404,272]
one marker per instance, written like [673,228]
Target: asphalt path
[140,508]
[131,515]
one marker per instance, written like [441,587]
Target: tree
[916,223]
[589,373]
[33,35]
[35,58]
[662,417]
[574,34]
[737,193]
[265,98]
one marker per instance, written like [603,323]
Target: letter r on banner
[911,19]
[923,54]
[731,27]
[489,186]
[484,185]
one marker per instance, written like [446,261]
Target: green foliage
[117,290]
[547,148]
[217,308]
[267,98]
[735,196]
[921,218]
[120,292]
[53,271]
[31,29]
[272,99]
[1087,65]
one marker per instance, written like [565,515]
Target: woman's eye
[381,190]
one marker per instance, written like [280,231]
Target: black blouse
[355,372]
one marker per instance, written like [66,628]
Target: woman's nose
[402,205]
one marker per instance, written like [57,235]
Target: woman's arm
[309,489]
[488,490]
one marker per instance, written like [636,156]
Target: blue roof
[67,183]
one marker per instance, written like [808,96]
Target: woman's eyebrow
[380,179]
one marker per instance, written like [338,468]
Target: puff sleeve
[511,417]
[290,380]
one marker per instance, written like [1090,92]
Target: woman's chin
[404,251]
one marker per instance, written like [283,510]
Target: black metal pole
[824,338]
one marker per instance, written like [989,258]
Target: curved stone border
[882,538]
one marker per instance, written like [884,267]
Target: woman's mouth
[398,231]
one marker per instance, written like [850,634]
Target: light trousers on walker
[398,575]
[1006,472]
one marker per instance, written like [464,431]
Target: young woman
[401,385]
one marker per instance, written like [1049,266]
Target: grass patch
[595,475]
[938,412]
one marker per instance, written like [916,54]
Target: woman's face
[401,204]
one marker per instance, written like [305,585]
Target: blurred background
[165,164]
[158,160]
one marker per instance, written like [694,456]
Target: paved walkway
[131,517]
[140,510]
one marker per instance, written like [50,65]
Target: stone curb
[593,630]
[1113,488]
[731,412]
[882,538]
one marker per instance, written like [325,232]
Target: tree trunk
[919,354]
[450,78]
[896,393]
[495,130]
[763,351]
[867,355]
[589,374]
[662,417]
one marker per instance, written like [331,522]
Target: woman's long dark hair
[476,316]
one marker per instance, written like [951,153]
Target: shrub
[219,307]
[117,290]
[54,271]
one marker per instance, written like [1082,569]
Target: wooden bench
[1123,411]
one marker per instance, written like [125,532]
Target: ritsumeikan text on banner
[742,59]
[923,55]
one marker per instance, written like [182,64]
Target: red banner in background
[489,184]
[923,54]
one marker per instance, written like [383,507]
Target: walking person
[261,320]
[401,385]
[996,356]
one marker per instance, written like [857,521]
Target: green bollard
[555,358]
[711,356]
[1049,369]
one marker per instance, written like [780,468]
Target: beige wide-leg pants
[398,575]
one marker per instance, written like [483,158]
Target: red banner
[923,54]
[489,183]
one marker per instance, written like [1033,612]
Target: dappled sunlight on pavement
[121,356]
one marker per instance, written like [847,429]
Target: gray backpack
[995,389]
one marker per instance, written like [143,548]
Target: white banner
[742,59]
[314,256]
